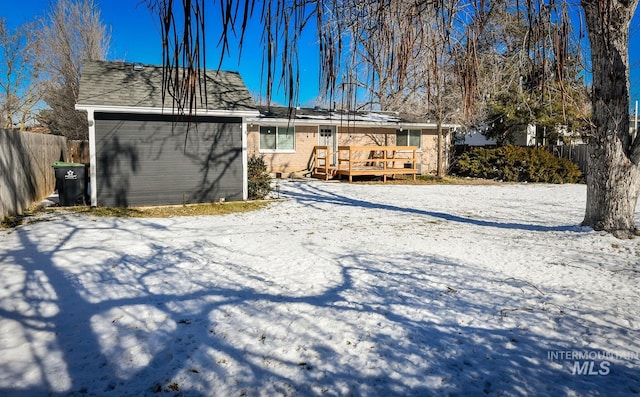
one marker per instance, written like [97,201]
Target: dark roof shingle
[104,83]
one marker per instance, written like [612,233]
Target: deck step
[321,174]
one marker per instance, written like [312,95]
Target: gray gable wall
[106,83]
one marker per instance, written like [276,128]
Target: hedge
[517,164]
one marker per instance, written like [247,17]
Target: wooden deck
[364,161]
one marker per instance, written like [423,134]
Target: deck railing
[366,160]
[321,162]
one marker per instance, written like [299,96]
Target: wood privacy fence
[26,173]
[577,153]
[78,151]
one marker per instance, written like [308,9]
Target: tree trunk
[612,191]
[441,169]
[613,181]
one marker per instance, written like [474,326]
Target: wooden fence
[78,151]
[577,153]
[26,173]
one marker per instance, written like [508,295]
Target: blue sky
[135,37]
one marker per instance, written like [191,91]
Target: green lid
[65,164]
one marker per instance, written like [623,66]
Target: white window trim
[407,131]
[269,151]
[276,150]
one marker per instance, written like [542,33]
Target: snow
[338,289]
[377,117]
[371,117]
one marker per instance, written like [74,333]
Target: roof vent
[137,67]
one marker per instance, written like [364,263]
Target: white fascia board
[345,123]
[168,112]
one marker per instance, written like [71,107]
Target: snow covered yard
[336,290]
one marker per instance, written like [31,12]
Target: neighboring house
[473,138]
[524,135]
[287,138]
[527,135]
[141,154]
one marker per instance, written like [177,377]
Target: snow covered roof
[328,116]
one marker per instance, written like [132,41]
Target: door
[329,138]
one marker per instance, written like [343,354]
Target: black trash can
[71,183]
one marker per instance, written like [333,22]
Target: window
[277,138]
[408,138]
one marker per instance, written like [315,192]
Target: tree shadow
[216,153]
[152,321]
[311,194]
[116,162]
[193,161]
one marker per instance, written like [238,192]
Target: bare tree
[19,74]
[372,74]
[441,82]
[12,45]
[72,32]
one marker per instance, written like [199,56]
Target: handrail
[385,155]
[325,167]
[350,164]
[373,147]
[389,155]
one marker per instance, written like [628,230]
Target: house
[288,138]
[520,135]
[524,135]
[473,137]
[142,153]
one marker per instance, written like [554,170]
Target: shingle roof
[105,83]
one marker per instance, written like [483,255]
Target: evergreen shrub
[259,181]
[517,164]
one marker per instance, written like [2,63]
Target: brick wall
[307,138]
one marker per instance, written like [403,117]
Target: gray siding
[153,160]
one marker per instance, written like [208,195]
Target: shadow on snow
[311,193]
[408,325]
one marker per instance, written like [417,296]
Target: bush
[259,181]
[517,164]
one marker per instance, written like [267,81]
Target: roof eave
[166,111]
[346,122]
